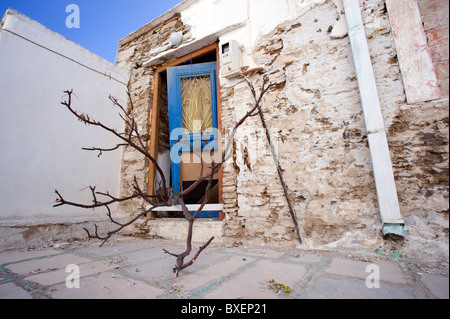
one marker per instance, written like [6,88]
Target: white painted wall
[244,21]
[256,18]
[40,140]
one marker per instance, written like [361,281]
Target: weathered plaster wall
[435,19]
[315,115]
[323,147]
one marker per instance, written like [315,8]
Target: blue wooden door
[192,100]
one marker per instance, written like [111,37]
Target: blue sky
[102,22]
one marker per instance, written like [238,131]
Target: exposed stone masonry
[315,116]
[316,113]
[131,55]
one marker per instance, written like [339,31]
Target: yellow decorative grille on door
[196,104]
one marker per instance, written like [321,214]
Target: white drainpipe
[393,224]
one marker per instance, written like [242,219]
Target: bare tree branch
[140,148]
[132,138]
[61,201]
[114,231]
[272,150]
[101,150]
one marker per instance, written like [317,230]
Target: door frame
[155,112]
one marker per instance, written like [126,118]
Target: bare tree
[167,196]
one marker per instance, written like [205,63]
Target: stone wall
[133,51]
[315,117]
[316,114]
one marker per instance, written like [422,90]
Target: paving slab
[338,288]
[197,278]
[11,291]
[253,282]
[107,286]
[60,275]
[206,259]
[258,252]
[156,270]
[115,249]
[160,269]
[143,255]
[14,256]
[438,285]
[306,258]
[388,271]
[46,263]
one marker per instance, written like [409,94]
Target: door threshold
[190,207]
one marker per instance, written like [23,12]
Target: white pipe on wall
[393,224]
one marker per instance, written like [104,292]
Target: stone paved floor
[136,268]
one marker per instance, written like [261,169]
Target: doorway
[187,106]
[192,104]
